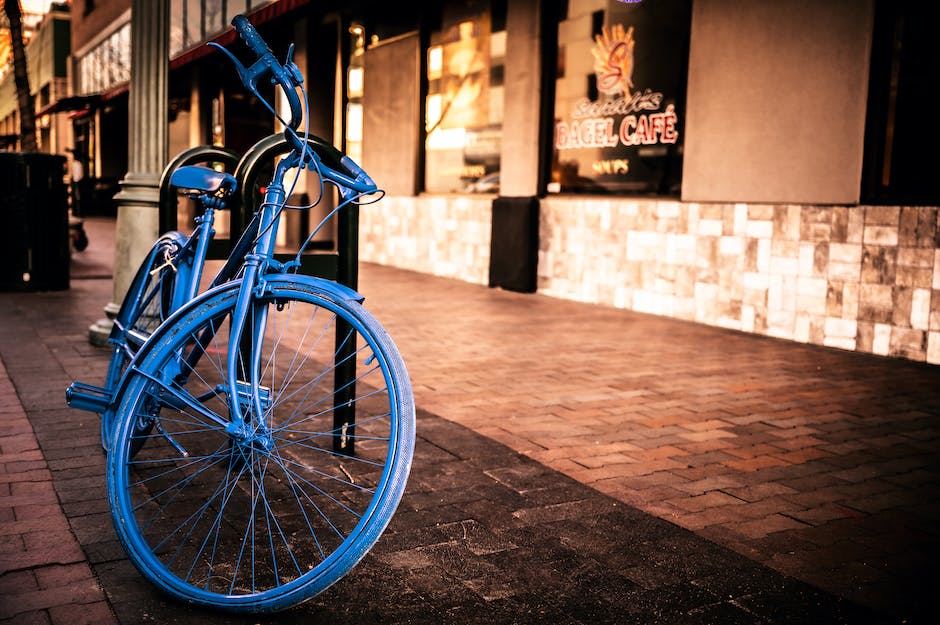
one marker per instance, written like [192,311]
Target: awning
[71,103]
[81,105]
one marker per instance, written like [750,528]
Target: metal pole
[344,411]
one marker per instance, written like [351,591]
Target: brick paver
[44,577]
[817,463]
[812,441]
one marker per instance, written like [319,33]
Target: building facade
[47,63]
[750,164]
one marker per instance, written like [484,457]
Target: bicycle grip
[284,76]
[364,182]
[250,36]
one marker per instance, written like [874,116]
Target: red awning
[71,103]
[81,105]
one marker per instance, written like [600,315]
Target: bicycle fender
[334,289]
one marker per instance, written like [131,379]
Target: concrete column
[514,236]
[519,155]
[138,200]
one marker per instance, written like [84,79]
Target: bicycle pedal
[83,396]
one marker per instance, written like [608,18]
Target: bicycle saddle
[194,179]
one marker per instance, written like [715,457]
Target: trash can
[34,222]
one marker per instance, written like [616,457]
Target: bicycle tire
[147,304]
[261,521]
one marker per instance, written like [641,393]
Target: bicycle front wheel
[147,304]
[263,516]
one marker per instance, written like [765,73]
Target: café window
[464,107]
[620,97]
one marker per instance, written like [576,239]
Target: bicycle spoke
[351,384]
[222,488]
[177,487]
[290,375]
[294,478]
[310,386]
[316,415]
[186,398]
[327,476]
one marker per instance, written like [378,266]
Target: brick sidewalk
[819,463]
[822,464]
[43,572]
[483,534]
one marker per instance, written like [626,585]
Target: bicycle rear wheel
[147,304]
[266,517]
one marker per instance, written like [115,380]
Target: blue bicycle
[263,430]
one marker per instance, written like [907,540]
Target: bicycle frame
[252,255]
[256,264]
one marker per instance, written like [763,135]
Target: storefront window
[620,97]
[107,64]
[465,98]
[355,80]
[192,23]
[215,16]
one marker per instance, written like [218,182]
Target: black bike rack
[199,154]
[341,265]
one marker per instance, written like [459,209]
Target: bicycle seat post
[203,233]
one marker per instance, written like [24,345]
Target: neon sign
[594,124]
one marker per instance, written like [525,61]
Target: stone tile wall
[862,278]
[446,236]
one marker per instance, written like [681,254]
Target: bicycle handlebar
[250,36]
[361,182]
[338,168]
[288,76]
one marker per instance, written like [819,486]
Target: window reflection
[192,23]
[176,26]
[195,21]
[464,112]
[355,79]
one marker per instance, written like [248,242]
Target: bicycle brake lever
[246,77]
[292,68]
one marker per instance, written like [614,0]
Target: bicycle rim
[261,519]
